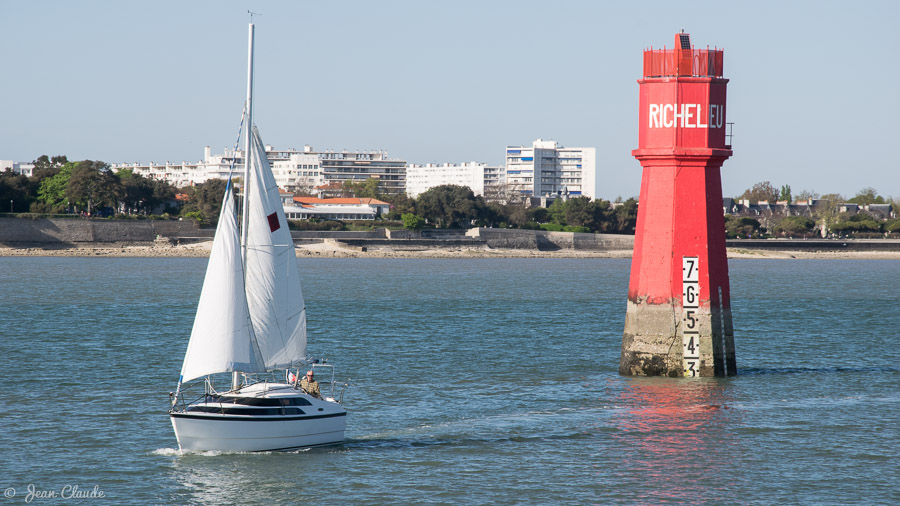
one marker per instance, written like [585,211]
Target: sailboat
[251,322]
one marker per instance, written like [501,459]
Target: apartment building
[546,168]
[475,175]
[293,169]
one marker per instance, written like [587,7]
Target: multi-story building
[23,168]
[357,166]
[546,168]
[304,208]
[185,173]
[293,169]
[477,176]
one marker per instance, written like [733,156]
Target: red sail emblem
[273,222]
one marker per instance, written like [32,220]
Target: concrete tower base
[653,341]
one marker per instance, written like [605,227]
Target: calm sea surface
[473,381]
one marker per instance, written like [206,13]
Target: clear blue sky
[813,92]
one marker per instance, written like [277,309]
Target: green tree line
[89,187]
[58,186]
[452,206]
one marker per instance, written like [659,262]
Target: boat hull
[234,434]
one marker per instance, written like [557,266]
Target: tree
[412,221]
[539,214]
[400,204]
[807,195]
[892,226]
[14,188]
[827,209]
[449,206]
[857,223]
[867,196]
[364,189]
[791,226]
[163,192]
[626,216]
[143,195]
[516,214]
[92,184]
[557,212]
[739,228]
[51,193]
[582,212]
[764,190]
[785,193]
[205,199]
[45,166]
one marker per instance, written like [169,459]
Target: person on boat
[310,385]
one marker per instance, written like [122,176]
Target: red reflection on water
[674,436]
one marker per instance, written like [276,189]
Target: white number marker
[690,303]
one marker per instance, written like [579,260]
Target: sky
[814,90]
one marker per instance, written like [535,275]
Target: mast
[235,376]
[246,218]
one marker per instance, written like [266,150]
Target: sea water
[472,381]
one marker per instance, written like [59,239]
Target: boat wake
[175,452]
[166,452]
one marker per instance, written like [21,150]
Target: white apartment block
[477,176]
[293,169]
[23,168]
[546,168]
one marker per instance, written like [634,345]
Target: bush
[856,225]
[892,226]
[40,207]
[327,226]
[552,227]
[792,226]
[736,228]
[412,221]
[194,215]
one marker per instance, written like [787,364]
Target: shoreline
[163,249]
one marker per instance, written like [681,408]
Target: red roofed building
[345,208]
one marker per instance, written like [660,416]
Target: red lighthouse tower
[678,321]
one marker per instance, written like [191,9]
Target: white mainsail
[222,339]
[274,296]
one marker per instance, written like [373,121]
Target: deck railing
[683,62]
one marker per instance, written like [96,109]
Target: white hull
[322,423]
[196,434]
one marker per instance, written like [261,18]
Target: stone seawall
[83,230]
[315,234]
[62,231]
[815,244]
[551,241]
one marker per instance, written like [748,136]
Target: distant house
[330,189]
[881,211]
[806,208]
[304,208]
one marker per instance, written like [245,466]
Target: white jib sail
[273,289]
[222,338]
